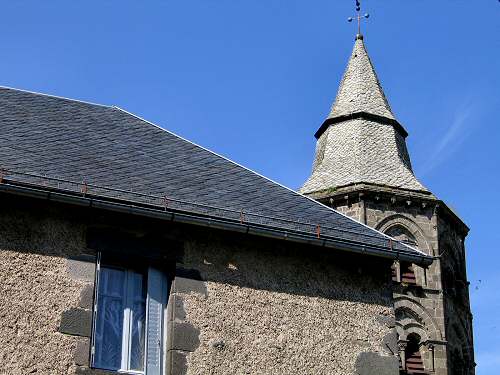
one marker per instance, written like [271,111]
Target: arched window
[402,234]
[406,271]
[413,360]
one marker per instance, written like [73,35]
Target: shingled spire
[361,141]
[360,89]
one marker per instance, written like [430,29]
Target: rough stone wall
[263,310]
[237,304]
[38,286]
[456,298]
[419,310]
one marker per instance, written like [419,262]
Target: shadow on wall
[277,266]
[31,226]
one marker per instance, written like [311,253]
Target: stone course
[433,309]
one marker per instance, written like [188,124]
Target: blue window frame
[128,330]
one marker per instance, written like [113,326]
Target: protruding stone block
[77,322]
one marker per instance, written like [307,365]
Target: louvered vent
[415,365]
[407,274]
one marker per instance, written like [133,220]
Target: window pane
[109,323]
[138,321]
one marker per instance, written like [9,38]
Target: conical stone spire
[360,89]
[361,141]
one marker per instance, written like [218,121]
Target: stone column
[430,348]
[402,353]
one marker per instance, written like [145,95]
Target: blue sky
[254,79]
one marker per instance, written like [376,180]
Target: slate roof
[57,142]
[361,141]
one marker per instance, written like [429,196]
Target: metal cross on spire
[359,17]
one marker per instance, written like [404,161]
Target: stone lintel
[81,267]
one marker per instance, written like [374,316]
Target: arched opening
[406,273]
[402,234]
[413,363]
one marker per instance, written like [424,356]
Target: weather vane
[359,16]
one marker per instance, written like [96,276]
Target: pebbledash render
[362,168]
[127,249]
[237,304]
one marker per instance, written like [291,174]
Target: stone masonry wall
[419,310]
[456,298]
[238,304]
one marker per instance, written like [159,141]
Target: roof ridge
[266,178]
[55,96]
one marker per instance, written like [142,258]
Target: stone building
[362,168]
[127,249]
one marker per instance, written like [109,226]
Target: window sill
[101,371]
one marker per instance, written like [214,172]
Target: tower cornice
[361,115]
[364,191]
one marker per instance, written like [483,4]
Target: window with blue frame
[128,329]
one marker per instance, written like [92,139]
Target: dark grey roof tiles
[120,155]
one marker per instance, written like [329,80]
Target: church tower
[362,168]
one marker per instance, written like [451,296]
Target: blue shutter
[157,288]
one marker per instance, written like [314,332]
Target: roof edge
[250,170]
[448,211]
[66,197]
[362,115]
[55,96]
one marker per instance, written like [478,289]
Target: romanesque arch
[414,318]
[418,333]
[402,223]
[406,230]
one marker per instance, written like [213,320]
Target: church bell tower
[362,168]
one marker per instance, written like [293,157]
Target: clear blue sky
[254,79]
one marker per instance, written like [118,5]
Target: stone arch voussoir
[401,220]
[427,324]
